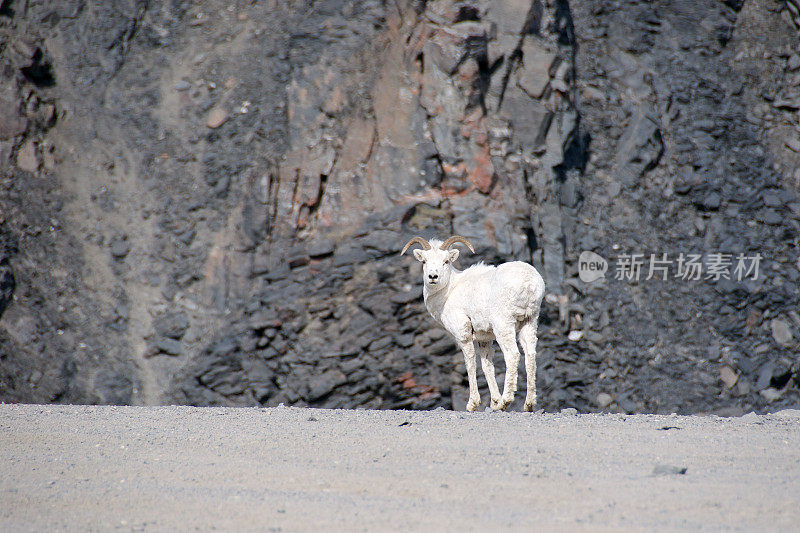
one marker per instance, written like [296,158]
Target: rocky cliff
[203,202]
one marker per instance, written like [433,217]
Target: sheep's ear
[453,254]
[419,255]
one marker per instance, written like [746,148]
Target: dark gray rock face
[208,200]
[7,284]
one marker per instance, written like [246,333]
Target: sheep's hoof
[530,402]
[473,404]
[495,404]
[504,402]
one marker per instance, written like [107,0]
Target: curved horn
[416,240]
[454,239]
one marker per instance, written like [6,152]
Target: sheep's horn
[454,239]
[416,240]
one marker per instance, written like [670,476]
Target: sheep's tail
[535,292]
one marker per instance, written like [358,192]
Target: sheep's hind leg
[487,364]
[527,338]
[507,339]
[469,359]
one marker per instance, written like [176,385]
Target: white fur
[484,303]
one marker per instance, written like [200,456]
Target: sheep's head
[437,259]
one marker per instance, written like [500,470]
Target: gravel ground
[93,468]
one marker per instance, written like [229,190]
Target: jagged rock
[28,157]
[382,240]
[7,284]
[570,191]
[443,51]
[323,384]
[781,332]
[11,122]
[535,74]
[120,246]
[770,394]
[225,382]
[172,325]
[765,376]
[639,148]
[604,400]
[321,248]
[667,470]
[770,216]
[223,347]
[216,118]
[379,344]
[260,378]
[509,16]
[772,198]
[575,335]
[407,296]
[789,102]
[404,341]
[168,346]
[710,202]
[728,376]
[530,120]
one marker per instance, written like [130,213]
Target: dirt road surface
[79,468]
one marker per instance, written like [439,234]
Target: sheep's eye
[447,262]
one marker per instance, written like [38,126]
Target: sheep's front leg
[486,354]
[469,360]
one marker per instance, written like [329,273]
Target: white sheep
[482,303]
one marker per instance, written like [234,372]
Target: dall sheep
[482,303]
